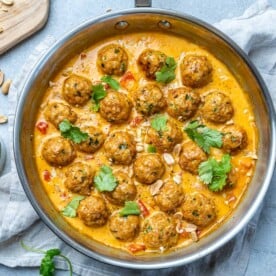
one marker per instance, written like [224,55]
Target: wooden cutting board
[21,20]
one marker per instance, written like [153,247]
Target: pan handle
[142,3]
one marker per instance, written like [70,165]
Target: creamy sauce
[85,65]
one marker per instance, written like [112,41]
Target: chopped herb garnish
[204,136]
[166,73]
[105,180]
[72,132]
[214,173]
[159,122]
[111,82]
[71,208]
[98,93]
[130,208]
[151,149]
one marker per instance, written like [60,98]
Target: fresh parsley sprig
[166,73]
[47,265]
[204,136]
[111,82]
[72,132]
[70,210]
[98,93]
[214,173]
[151,149]
[130,208]
[159,122]
[105,180]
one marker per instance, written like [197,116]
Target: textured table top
[67,14]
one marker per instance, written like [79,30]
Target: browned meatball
[77,90]
[182,103]
[112,60]
[170,196]
[94,141]
[93,211]
[149,99]
[115,107]
[234,138]
[125,190]
[165,140]
[120,147]
[79,178]
[217,107]
[124,228]
[151,61]
[58,151]
[56,112]
[191,156]
[196,71]
[159,231]
[148,168]
[198,209]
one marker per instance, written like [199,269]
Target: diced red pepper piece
[143,208]
[135,247]
[47,175]
[136,121]
[126,78]
[42,127]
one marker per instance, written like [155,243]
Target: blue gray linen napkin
[255,32]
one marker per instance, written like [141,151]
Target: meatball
[148,168]
[94,141]
[159,231]
[170,196]
[151,61]
[79,178]
[77,90]
[149,99]
[124,228]
[93,211]
[112,60]
[125,190]
[120,147]
[56,112]
[196,71]
[58,151]
[115,107]
[191,155]
[234,138]
[165,140]
[182,103]
[217,107]
[198,209]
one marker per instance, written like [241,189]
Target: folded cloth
[255,32]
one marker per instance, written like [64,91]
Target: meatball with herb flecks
[58,151]
[120,147]
[234,138]
[124,228]
[217,107]
[151,61]
[198,209]
[182,103]
[93,211]
[115,107]
[112,60]
[79,178]
[56,112]
[77,90]
[196,70]
[148,168]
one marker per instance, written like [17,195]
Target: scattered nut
[2,76]
[3,119]
[194,236]
[7,2]
[177,178]
[6,87]
[155,187]
[139,147]
[177,149]
[168,158]
[4,9]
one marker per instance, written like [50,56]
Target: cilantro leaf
[111,82]
[159,122]
[130,208]
[166,73]
[72,132]
[151,149]
[105,180]
[98,93]
[204,136]
[214,173]
[71,209]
